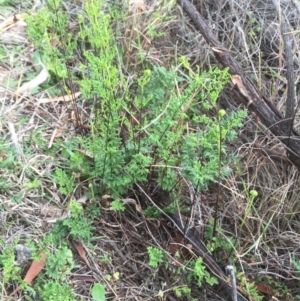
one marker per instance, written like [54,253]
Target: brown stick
[245,91]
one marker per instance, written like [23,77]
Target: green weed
[9,270]
[117,205]
[158,138]
[220,243]
[182,291]
[161,123]
[200,273]
[59,264]
[155,256]
[53,291]
[79,226]
[65,181]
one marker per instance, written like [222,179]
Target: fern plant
[156,123]
[200,273]
[9,269]
[155,256]
[145,127]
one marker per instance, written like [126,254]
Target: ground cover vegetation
[115,116]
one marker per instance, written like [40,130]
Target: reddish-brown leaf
[176,244]
[80,249]
[34,270]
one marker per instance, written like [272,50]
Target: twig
[230,270]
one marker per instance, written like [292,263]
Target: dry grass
[267,233]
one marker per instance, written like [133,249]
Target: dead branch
[245,91]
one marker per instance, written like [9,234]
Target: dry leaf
[29,86]
[80,249]
[133,201]
[266,289]
[177,243]
[15,140]
[34,270]
[237,80]
[5,25]
[52,213]
[70,97]
[15,34]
